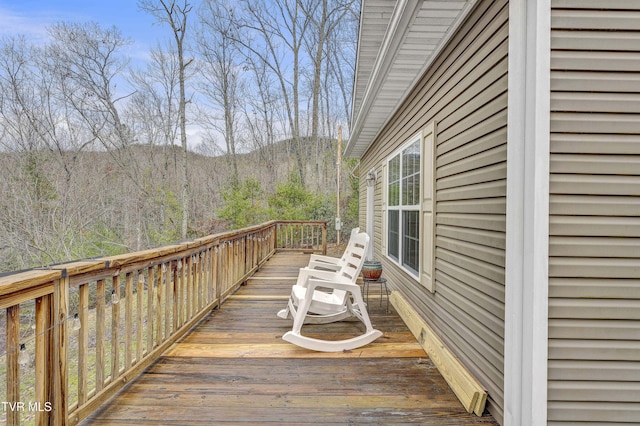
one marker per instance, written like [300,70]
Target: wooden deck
[235,368]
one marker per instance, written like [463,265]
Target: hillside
[60,206]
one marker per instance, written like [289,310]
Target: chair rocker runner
[321,296]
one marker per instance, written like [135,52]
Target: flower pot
[371,270]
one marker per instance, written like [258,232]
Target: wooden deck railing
[77,333]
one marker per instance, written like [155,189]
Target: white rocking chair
[311,303]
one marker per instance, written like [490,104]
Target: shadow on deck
[235,368]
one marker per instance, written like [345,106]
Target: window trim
[417,207]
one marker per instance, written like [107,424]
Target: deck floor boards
[234,368]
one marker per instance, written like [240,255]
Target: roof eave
[403,16]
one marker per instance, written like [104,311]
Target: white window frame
[425,274]
[403,208]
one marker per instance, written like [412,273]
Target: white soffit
[398,41]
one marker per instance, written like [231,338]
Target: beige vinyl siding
[465,93]
[594,247]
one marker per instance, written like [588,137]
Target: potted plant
[371,270]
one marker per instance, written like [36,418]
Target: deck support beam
[472,395]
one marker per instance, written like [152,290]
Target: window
[403,211]
[409,207]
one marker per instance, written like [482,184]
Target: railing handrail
[169,300]
[11,284]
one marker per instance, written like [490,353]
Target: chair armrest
[322,258]
[336,285]
[324,265]
[306,273]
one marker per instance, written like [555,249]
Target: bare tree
[341,52]
[295,42]
[325,16]
[175,14]
[274,36]
[22,142]
[47,206]
[154,113]
[155,104]
[86,61]
[221,72]
[260,118]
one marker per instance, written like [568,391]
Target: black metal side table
[382,282]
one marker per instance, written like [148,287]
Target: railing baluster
[159,305]
[216,273]
[203,279]
[250,252]
[43,336]
[287,233]
[128,320]
[13,368]
[185,289]
[59,358]
[181,293]
[237,260]
[176,297]
[227,267]
[197,281]
[246,248]
[168,292]
[240,259]
[207,284]
[100,319]
[189,285]
[139,315]
[200,281]
[236,263]
[150,289]
[83,342]
[305,237]
[115,330]
[234,260]
[252,245]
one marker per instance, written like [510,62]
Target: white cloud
[33,27]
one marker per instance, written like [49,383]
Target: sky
[31,18]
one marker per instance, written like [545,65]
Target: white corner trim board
[527,238]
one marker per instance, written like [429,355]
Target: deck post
[59,376]
[13,368]
[324,238]
[43,351]
[275,235]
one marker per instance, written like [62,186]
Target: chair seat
[323,303]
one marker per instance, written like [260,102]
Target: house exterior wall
[464,92]
[594,220]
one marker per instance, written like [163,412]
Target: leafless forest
[103,153]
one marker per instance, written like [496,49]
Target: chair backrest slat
[347,251]
[354,256]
